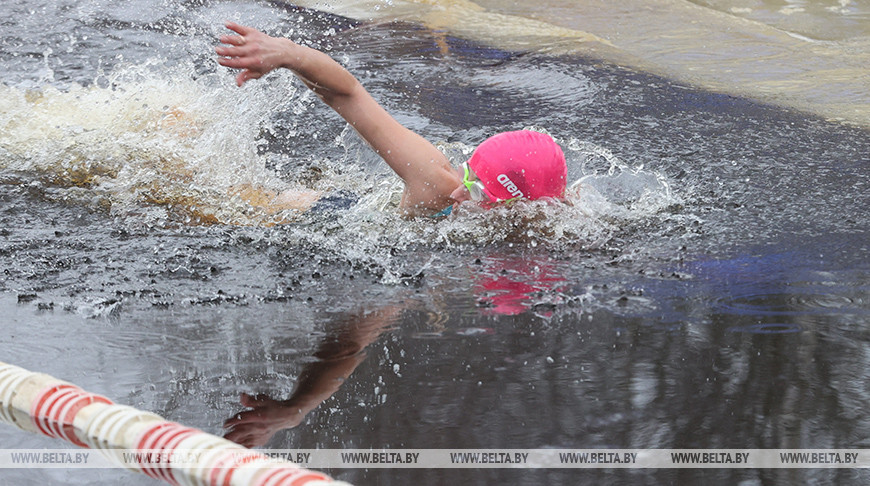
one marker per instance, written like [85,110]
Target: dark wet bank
[734,318]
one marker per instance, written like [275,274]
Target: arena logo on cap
[509,185]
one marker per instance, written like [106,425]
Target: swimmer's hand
[254,428]
[427,173]
[252,51]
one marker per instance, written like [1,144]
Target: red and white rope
[43,404]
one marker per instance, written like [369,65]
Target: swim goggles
[478,190]
[475,187]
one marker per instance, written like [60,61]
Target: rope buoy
[40,403]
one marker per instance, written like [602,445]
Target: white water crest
[143,138]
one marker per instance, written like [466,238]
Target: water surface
[707,288]
[807,54]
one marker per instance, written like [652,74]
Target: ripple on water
[767,328]
[788,304]
[20,350]
[151,341]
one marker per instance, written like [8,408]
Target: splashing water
[136,139]
[711,247]
[186,149]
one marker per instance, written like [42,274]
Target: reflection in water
[336,358]
[716,298]
[597,380]
[506,284]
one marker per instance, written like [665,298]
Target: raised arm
[428,176]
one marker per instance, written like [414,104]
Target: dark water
[709,289]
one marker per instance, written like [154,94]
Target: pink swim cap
[520,164]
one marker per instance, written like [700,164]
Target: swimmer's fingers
[240,29]
[233,40]
[254,63]
[239,62]
[240,418]
[256,400]
[239,51]
[246,76]
[254,52]
[252,67]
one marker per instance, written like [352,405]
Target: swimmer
[505,167]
